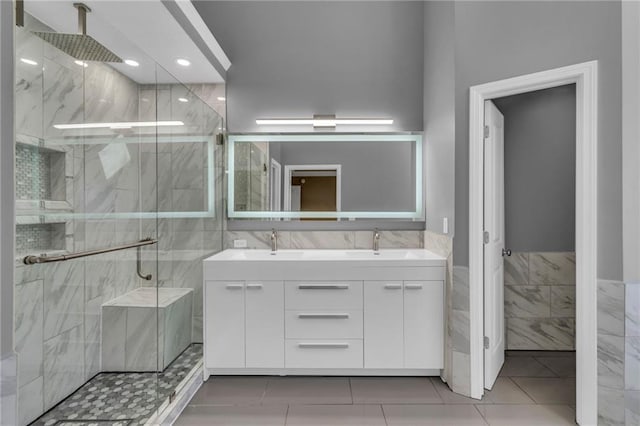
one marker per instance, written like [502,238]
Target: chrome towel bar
[32,260]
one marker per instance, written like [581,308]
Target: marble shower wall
[539,301]
[631,352]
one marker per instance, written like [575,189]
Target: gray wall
[540,169]
[439,113]
[496,40]
[296,59]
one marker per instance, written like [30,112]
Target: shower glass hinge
[486,342]
[486,132]
[220,139]
[485,237]
[172,397]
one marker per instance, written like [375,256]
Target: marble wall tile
[144,337]
[92,337]
[527,301]
[114,332]
[541,333]
[438,243]
[461,373]
[63,365]
[63,297]
[256,239]
[321,240]
[632,363]
[632,318]
[29,330]
[632,408]
[611,308]
[29,84]
[460,293]
[30,401]
[186,167]
[516,269]
[552,268]
[460,331]
[63,101]
[187,200]
[563,301]
[611,361]
[390,239]
[177,328]
[196,336]
[610,407]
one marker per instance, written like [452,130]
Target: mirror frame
[416,138]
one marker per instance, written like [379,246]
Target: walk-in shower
[118,200]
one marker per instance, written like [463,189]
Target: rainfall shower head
[80,46]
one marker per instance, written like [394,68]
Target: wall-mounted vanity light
[323,121]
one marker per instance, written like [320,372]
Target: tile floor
[534,388]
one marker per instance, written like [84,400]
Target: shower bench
[142,323]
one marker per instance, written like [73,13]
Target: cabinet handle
[413,286]
[234,286]
[323,287]
[393,286]
[254,286]
[323,316]
[323,345]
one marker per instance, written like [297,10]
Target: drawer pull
[234,286]
[413,286]
[323,316]
[254,286]
[323,345]
[393,286]
[323,287]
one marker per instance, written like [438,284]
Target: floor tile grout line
[527,393]
[481,415]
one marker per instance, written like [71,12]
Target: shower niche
[44,189]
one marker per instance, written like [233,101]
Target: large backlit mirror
[325,176]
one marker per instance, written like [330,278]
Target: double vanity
[324,312]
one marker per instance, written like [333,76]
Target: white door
[224,304]
[423,324]
[494,243]
[264,304]
[383,324]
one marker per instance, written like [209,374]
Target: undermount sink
[263,264]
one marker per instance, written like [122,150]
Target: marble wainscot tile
[611,308]
[527,301]
[29,330]
[460,293]
[541,333]
[63,366]
[390,239]
[30,401]
[256,239]
[610,407]
[563,301]
[632,309]
[611,361]
[460,331]
[29,88]
[632,363]
[552,268]
[516,269]
[461,377]
[63,297]
[632,408]
[321,240]
[438,243]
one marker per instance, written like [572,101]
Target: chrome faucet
[376,241]
[274,241]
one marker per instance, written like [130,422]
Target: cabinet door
[264,303]
[423,324]
[383,324]
[224,334]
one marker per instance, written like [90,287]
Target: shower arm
[82,17]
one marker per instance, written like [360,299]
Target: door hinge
[486,342]
[486,237]
[486,132]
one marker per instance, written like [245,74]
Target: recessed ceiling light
[183,99]
[183,62]
[28,61]
[81,63]
[222,98]
[131,62]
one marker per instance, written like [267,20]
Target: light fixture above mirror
[324,121]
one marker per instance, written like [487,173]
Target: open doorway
[487,248]
[313,187]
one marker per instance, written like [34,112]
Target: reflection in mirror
[325,177]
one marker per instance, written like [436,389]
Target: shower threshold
[122,399]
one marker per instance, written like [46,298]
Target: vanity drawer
[323,294]
[334,353]
[324,324]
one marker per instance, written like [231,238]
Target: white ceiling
[142,30]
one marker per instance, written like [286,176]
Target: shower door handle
[139,266]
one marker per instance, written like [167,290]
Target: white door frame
[289,169]
[275,177]
[585,77]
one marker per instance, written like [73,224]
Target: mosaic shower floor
[121,399]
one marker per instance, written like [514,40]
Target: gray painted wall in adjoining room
[439,114]
[496,40]
[296,59]
[540,169]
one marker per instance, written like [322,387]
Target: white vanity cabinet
[290,313]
